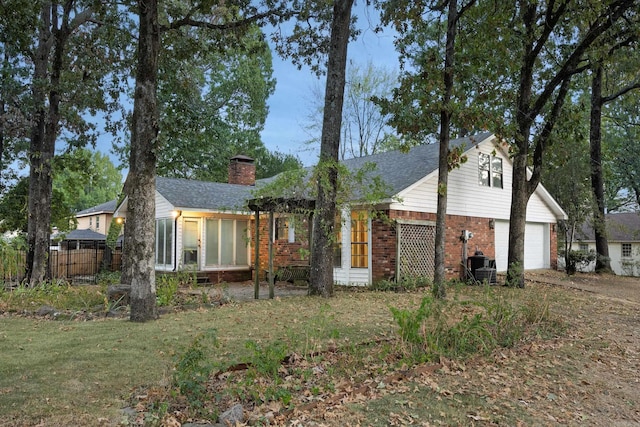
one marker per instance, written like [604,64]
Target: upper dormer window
[489,170]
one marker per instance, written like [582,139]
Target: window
[164,241]
[282,228]
[226,242]
[490,171]
[584,247]
[337,244]
[90,222]
[98,223]
[359,239]
[626,250]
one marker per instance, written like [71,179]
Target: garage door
[536,246]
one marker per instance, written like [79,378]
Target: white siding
[346,275]
[620,266]
[466,197]
[163,207]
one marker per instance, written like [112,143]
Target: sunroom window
[226,242]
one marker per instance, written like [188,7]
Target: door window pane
[242,229]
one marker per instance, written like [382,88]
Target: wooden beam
[271,275]
[256,269]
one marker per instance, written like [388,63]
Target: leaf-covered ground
[587,375]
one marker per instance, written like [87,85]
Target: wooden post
[256,286]
[271,275]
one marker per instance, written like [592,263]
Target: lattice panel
[416,251]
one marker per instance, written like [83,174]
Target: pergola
[273,205]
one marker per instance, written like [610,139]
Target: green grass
[72,372]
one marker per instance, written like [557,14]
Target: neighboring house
[623,235]
[97,218]
[210,228]
[79,239]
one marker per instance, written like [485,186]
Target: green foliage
[58,294]
[212,101]
[193,367]
[458,329]
[12,253]
[404,285]
[166,289]
[86,178]
[266,360]
[578,259]
[14,206]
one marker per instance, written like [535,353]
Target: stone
[231,416]
[47,310]
[119,294]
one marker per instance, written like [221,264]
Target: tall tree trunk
[43,139]
[139,265]
[603,263]
[439,278]
[321,275]
[39,160]
[517,222]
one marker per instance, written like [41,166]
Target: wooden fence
[79,265]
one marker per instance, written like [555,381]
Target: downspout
[176,215]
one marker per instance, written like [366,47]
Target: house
[97,218]
[209,227]
[623,235]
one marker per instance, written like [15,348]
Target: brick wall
[284,252]
[483,240]
[384,243]
[242,170]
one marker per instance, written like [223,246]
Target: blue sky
[290,105]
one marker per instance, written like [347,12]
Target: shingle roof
[85,234]
[402,169]
[398,170]
[621,227]
[107,207]
[215,196]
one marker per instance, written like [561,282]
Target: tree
[364,127]
[212,102]
[86,178]
[228,23]
[566,174]
[321,274]
[14,207]
[622,159]
[439,99]
[621,83]
[57,56]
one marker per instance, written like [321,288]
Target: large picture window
[359,239]
[490,171]
[164,241]
[226,242]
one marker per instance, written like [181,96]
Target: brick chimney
[242,170]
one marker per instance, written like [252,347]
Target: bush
[406,284]
[578,259]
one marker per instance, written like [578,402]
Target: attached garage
[536,245]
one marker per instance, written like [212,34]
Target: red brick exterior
[553,234]
[285,253]
[242,170]
[220,276]
[384,243]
